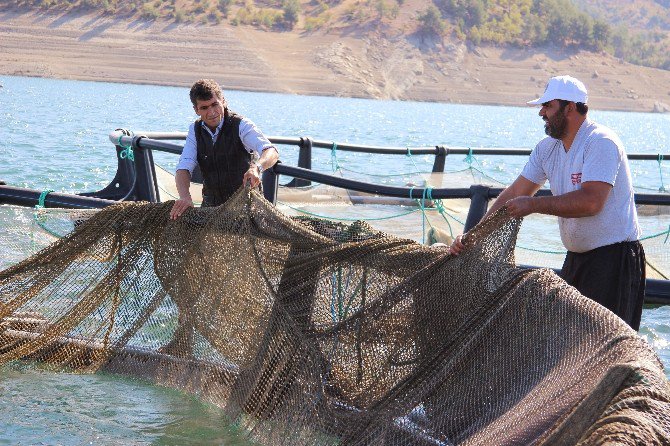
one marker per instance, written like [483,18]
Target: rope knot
[127,151]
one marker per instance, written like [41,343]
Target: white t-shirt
[596,155]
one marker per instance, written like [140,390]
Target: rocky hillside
[356,48]
[637,31]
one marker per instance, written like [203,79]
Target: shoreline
[94,47]
[322,94]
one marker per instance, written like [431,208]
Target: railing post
[479,203]
[440,158]
[304,161]
[121,186]
[270,184]
[146,188]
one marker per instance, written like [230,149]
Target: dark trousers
[612,275]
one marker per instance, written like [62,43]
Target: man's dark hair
[206,89]
[582,108]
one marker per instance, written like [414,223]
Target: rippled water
[42,407]
[53,135]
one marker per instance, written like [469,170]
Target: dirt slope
[383,62]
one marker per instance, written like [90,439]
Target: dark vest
[222,163]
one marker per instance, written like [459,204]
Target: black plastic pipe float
[484,193]
[29,197]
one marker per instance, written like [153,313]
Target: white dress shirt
[251,136]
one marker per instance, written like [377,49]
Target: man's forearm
[576,204]
[182,180]
[521,187]
[500,201]
[268,158]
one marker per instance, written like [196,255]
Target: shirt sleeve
[252,138]
[533,170]
[602,158]
[189,155]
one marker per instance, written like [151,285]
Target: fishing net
[317,333]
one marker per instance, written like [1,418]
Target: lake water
[53,135]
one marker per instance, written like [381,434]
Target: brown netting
[318,333]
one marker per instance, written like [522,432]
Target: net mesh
[312,332]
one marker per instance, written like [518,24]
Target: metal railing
[306,144]
[135,179]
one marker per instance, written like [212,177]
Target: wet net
[309,332]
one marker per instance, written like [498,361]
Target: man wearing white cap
[593,198]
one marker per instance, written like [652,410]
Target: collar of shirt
[582,134]
[218,129]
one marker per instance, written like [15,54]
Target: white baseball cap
[563,87]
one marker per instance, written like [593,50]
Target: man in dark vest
[229,149]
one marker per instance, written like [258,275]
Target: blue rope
[127,151]
[416,169]
[469,158]
[660,172]
[43,196]
[333,158]
[37,218]
[427,192]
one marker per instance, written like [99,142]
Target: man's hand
[252,176]
[520,206]
[457,246]
[180,206]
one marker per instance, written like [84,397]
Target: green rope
[333,158]
[441,209]
[43,196]
[358,289]
[474,165]
[472,160]
[427,194]
[660,172]
[658,234]
[37,220]
[127,151]
[544,251]
[415,171]
[403,174]
[469,158]
[338,296]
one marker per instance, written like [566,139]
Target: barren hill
[386,60]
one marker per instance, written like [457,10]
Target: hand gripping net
[308,332]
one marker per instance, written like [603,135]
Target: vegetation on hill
[557,22]
[638,32]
